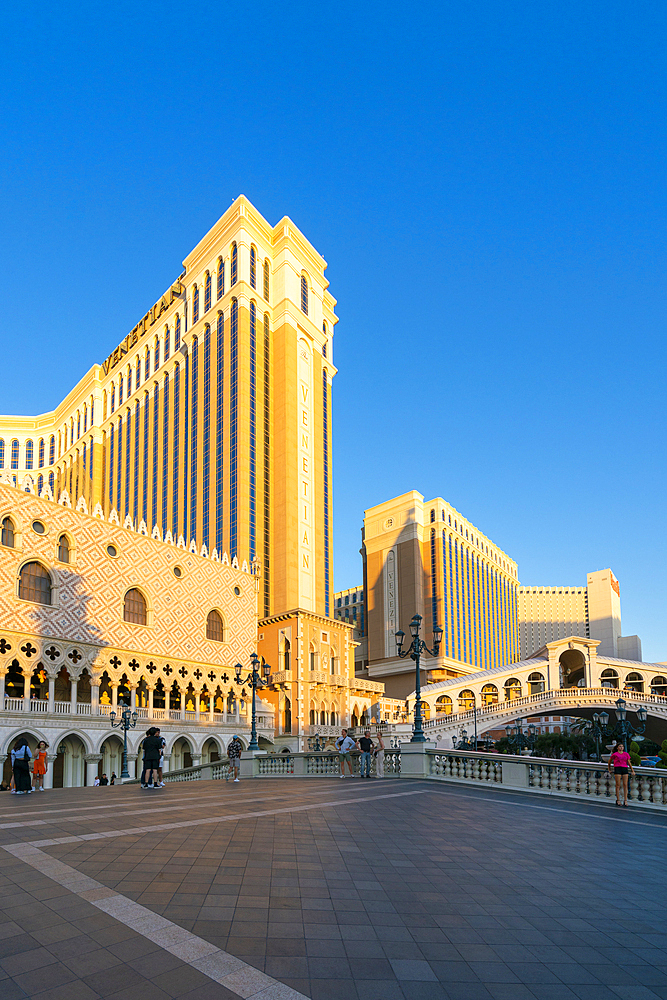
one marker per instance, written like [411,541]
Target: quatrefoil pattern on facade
[224,678]
[168,670]
[198,674]
[28,649]
[115,662]
[151,668]
[75,656]
[52,653]
[183,672]
[211,676]
[134,665]
[4,646]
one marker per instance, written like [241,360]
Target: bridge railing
[562,697]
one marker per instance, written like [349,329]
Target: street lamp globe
[415,625]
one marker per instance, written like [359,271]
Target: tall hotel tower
[210,423]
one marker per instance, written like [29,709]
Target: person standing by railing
[344,744]
[365,744]
[620,759]
[379,756]
[234,753]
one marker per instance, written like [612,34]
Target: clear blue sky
[487,182]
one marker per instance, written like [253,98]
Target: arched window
[313,657]
[156,355]
[489,694]
[512,689]
[432,515]
[35,583]
[7,533]
[129,383]
[147,369]
[138,377]
[167,343]
[659,686]
[177,333]
[634,682]
[536,683]
[120,393]
[304,294]
[195,304]
[2,453]
[15,454]
[287,649]
[235,264]
[221,278]
[266,280]
[40,485]
[466,701]
[253,267]
[609,678]
[214,626]
[52,450]
[63,549]
[51,482]
[207,292]
[134,607]
[28,454]
[443,705]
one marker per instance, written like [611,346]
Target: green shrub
[662,754]
[635,759]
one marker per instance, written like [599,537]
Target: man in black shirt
[366,747]
[104,780]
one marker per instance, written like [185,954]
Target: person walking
[379,756]
[344,744]
[40,765]
[151,747]
[21,757]
[234,753]
[620,760]
[366,747]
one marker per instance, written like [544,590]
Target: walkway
[277,889]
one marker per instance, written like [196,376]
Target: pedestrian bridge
[565,677]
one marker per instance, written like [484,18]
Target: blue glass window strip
[445,598]
[235,265]
[83,456]
[90,458]
[233,427]
[41,454]
[147,363]
[304,295]
[167,343]
[51,482]
[266,280]
[266,569]
[434,584]
[120,390]
[40,484]
[28,454]
[156,433]
[129,383]
[165,452]
[113,398]
[219,432]
[473,616]
[325,440]
[458,600]
[135,498]
[78,424]
[156,363]
[111,450]
[85,419]
[452,600]
[119,466]
[195,305]
[207,293]
[464,607]
[128,449]
[206,439]
[52,450]
[177,333]
[186,453]
[253,268]
[253,433]
[194,435]
[221,278]
[175,453]
[138,372]
[144,492]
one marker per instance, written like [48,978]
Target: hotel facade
[199,451]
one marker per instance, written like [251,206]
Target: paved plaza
[333,890]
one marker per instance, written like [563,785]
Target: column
[3,674]
[238,709]
[48,777]
[26,689]
[52,694]
[114,695]
[133,698]
[197,707]
[182,704]
[131,765]
[196,759]
[92,760]
[224,709]
[165,763]
[150,702]
[211,706]
[94,697]
[73,694]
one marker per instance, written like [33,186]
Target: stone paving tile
[461,895]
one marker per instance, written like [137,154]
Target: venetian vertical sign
[306,510]
[390,603]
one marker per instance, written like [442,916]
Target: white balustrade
[62,707]
[38,705]
[14,704]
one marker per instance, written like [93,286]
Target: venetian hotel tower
[211,420]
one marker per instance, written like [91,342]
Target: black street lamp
[255,681]
[624,729]
[599,729]
[128,720]
[414,651]
[464,743]
[516,737]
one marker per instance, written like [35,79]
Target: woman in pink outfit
[620,761]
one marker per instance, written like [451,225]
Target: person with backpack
[152,748]
[234,753]
[21,757]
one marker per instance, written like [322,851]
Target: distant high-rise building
[592,612]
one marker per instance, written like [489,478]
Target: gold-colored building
[211,420]
[424,557]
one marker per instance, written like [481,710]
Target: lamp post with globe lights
[414,651]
